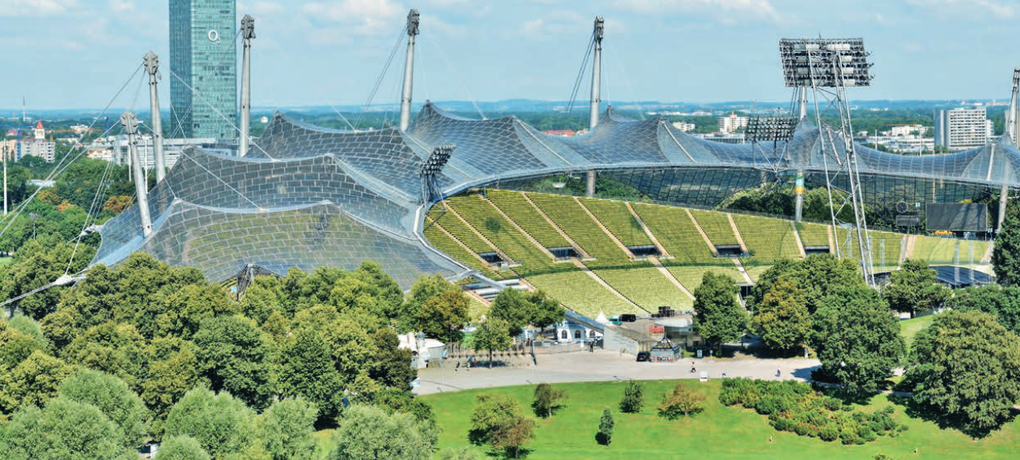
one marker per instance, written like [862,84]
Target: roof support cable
[60,167]
[211,106]
[382,75]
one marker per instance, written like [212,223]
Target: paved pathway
[607,366]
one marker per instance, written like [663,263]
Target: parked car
[644,356]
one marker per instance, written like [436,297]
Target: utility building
[203,66]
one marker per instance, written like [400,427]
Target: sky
[66,54]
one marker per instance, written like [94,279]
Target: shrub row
[795,407]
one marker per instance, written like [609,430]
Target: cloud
[122,6]
[725,11]
[356,17]
[555,23]
[985,9]
[34,8]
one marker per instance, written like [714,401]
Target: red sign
[655,329]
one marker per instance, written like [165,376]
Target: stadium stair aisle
[570,217]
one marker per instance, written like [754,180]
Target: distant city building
[684,126]
[115,149]
[731,123]
[908,130]
[962,128]
[561,132]
[9,148]
[79,129]
[203,55]
[36,146]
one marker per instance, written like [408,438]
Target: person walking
[694,370]
[778,372]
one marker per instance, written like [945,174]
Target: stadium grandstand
[304,196]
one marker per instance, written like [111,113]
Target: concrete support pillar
[141,187]
[247,34]
[151,62]
[590,188]
[405,98]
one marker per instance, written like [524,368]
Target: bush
[633,398]
[794,407]
[829,432]
[606,423]
[546,400]
[681,401]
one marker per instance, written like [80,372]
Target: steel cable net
[326,197]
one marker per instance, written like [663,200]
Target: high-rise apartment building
[959,129]
[203,55]
[731,123]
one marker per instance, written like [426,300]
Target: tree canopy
[966,367]
[1006,251]
[718,316]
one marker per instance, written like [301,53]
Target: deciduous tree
[718,316]
[782,317]
[220,423]
[491,335]
[966,366]
[369,433]
[513,307]
[443,316]
[682,400]
[114,399]
[181,448]
[1006,251]
[497,420]
[235,357]
[287,429]
[915,287]
[857,339]
[63,430]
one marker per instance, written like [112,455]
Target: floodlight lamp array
[436,160]
[770,129]
[825,62]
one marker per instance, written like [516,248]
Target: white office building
[959,129]
[731,123]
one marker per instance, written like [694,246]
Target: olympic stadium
[304,196]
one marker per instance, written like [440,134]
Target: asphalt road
[607,366]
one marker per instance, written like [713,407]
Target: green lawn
[647,287]
[910,327]
[571,218]
[719,432]
[615,216]
[5,261]
[524,214]
[813,234]
[768,239]
[579,292]
[716,225]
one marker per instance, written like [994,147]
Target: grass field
[813,234]
[676,233]
[768,239]
[5,261]
[647,287]
[719,432]
[577,224]
[691,277]
[582,294]
[524,214]
[910,327]
[716,225]
[615,216]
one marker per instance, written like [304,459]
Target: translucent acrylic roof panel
[221,243]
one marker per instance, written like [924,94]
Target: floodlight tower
[798,187]
[247,34]
[770,130]
[596,88]
[828,67]
[151,62]
[141,188]
[405,99]
[429,169]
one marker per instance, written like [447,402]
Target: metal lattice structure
[319,197]
[429,169]
[827,67]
